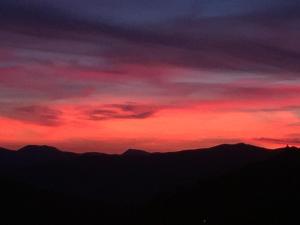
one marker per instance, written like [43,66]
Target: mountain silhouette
[135,152]
[137,187]
[4,150]
[261,193]
[140,175]
[39,148]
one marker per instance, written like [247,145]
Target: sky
[108,75]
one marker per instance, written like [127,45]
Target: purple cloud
[121,111]
[35,114]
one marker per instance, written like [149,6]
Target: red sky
[157,81]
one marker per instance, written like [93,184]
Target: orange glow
[168,129]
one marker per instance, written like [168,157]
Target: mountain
[4,150]
[135,152]
[262,193]
[22,204]
[131,177]
[185,187]
[238,147]
[44,149]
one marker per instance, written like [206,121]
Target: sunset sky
[160,75]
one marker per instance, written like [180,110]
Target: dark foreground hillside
[265,193]
[228,184]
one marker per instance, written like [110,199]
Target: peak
[39,148]
[288,148]
[242,144]
[4,149]
[245,145]
[292,148]
[135,152]
[239,146]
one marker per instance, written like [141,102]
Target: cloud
[281,141]
[284,141]
[34,114]
[297,124]
[57,52]
[121,111]
[193,56]
[238,42]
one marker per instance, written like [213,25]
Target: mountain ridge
[39,148]
[140,152]
[95,181]
[100,175]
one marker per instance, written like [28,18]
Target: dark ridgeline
[227,184]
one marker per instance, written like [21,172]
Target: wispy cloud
[283,141]
[238,41]
[35,114]
[121,111]
[106,62]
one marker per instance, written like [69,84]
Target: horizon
[145,150]
[167,146]
[158,75]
